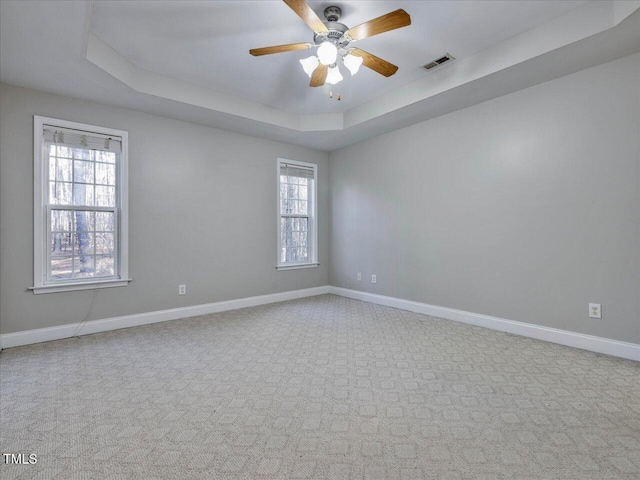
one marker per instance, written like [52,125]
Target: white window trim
[313,218]
[40,218]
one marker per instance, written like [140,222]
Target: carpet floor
[324,388]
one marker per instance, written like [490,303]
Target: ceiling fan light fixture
[309,64]
[327,53]
[332,39]
[352,62]
[333,75]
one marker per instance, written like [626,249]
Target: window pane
[105,222]
[84,243]
[61,267]
[61,244]
[300,224]
[105,196]
[108,157]
[84,266]
[300,207]
[60,193]
[105,266]
[61,170]
[65,152]
[61,221]
[90,218]
[84,221]
[83,194]
[83,172]
[105,243]
[105,174]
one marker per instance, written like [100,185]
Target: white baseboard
[28,337]
[630,351]
[607,346]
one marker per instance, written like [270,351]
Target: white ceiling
[207,43]
[189,60]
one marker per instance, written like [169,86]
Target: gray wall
[182,229]
[526,207]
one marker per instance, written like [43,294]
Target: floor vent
[438,61]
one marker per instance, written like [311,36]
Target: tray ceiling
[189,59]
[207,43]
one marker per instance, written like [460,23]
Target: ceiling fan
[333,38]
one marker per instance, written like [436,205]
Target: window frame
[313,218]
[42,209]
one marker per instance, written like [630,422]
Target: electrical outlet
[182,289]
[359,277]
[373,279]
[595,310]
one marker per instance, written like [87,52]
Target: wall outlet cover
[373,279]
[595,310]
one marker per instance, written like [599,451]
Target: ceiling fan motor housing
[336,30]
[335,34]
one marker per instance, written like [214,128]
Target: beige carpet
[324,387]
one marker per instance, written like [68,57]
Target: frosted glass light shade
[334,76]
[309,64]
[352,62]
[327,53]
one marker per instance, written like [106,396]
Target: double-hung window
[80,206]
[297,215]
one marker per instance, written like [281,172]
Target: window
[80,206]
[297,216]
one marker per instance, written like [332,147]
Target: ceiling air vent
[438,61]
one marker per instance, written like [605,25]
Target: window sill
[297,266]
[70,287]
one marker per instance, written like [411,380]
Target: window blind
[296,171]
[65,137]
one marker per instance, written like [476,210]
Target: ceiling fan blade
[256,52]
[376,64]
[308,16]
[319,76]
[385,23]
